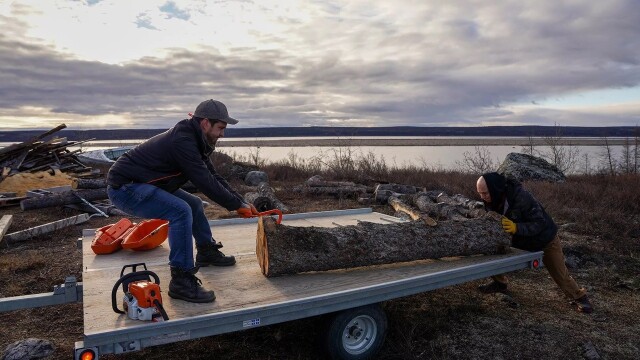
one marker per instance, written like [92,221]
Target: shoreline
[338,142]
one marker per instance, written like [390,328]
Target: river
[439,153]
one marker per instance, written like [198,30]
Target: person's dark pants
[553,259]
[184,212]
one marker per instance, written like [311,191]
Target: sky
[116,64]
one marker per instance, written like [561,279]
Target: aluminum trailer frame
[137,337]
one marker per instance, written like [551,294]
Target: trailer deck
[245,298]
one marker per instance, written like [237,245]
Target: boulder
[31,348]
[254,178]
[526,167]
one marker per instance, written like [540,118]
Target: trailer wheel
[357,333]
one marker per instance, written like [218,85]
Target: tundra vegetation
[599,217]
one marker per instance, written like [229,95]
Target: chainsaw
[142,299]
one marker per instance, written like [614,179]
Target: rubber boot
[186,286]
[210,254]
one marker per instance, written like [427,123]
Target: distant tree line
[520,131]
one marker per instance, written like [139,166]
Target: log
[45,228]
[337,191]
[78,183]
[262,203]
[283,249]
[63,198]
[438,210]
[415,214]
[5,222]
[318,181]
[266,191]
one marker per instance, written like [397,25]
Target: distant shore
[344,142]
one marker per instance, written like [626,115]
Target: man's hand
[247,211]
[254,211]
[508,225]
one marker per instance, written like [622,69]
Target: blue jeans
[184,212]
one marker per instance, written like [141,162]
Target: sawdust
[22,182]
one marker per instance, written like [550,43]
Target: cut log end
[265,225]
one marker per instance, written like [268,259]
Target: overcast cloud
[110,64]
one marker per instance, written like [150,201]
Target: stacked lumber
[38,155]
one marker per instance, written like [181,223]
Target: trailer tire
[356,334]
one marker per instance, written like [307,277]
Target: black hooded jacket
[534,227]
[170,159]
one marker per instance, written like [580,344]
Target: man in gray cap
[146,181]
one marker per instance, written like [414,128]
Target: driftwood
[318,181]
[63,198]
[35,155]
[99,183]
[399,205]
[442,210]
[316,185]
[5,222]
[11,201]
[283,249]
[265,199]
[382,192]
[45,228]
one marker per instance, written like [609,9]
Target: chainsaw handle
[269,212]
[126,280]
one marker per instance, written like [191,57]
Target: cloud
[337,64]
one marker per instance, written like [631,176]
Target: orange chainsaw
[142,299]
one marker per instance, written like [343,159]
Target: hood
[497,185]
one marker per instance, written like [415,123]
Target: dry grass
[601,237]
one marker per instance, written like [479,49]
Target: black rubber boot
[493,287]
[210,254]
[583,305]
[186,286]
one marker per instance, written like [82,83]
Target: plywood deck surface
[243,285]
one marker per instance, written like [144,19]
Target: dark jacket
[170,159]
[534,227]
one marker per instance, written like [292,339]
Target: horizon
[99,64]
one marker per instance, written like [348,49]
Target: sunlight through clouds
[312,62]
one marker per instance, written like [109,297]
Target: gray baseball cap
[214,110]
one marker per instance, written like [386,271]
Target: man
[532,229]
[145,182]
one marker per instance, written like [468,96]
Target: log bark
[266,191]
[283,249]
[265,199]
[63,198]
[78,183]
[438,211]
[415,214]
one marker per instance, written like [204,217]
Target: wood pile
[38,155]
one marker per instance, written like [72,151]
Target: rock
[254,178]
[28,349]
[526,167]
[239,170]
[589,351]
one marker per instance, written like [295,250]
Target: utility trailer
[247,299]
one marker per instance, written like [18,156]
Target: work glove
[247,211]
[508,225]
